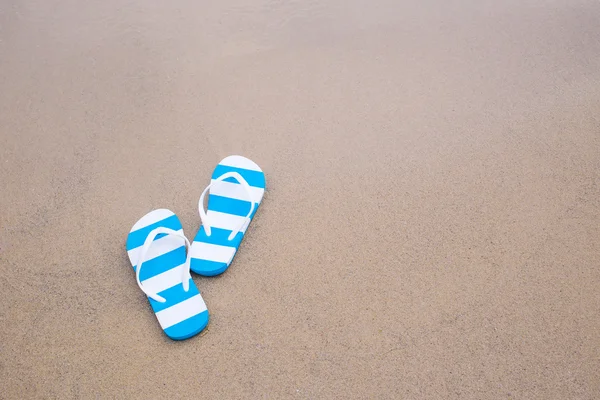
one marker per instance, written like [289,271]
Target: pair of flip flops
[162,256]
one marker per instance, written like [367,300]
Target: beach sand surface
[431,228]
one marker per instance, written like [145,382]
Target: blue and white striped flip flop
[156,247]
[234,194]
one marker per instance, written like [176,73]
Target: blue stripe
[228,205]
[162,263]
[231,206]
[218,236]
[137,238]
[189,327]
[207,268]
[174,295]
[254,178]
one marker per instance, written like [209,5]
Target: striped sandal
[156,247]
[234,194]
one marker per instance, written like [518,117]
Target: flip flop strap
[245,185]
[186,276]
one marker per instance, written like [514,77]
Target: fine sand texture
[431,226]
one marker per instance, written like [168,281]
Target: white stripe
[181,311]
[159,247]
[151,218]
[240,162]
[212,252]
[225,221]
[165,280]
[235,191]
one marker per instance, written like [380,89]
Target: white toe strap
[245,185]
[185,268]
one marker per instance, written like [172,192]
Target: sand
[431,228]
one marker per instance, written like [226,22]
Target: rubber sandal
[234,194]
[156,247]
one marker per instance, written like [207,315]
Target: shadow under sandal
[156,247]
[234,195]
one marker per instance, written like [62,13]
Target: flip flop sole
[184,314]
[227,208]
